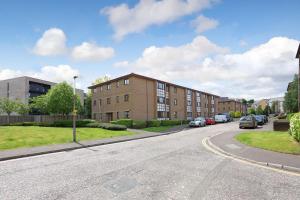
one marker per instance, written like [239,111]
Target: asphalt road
[175,166]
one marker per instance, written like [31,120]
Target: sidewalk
[229,144]
[34,151]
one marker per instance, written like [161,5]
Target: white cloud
[202,24]
[50,73]
[53,42]
[92,52]
[263,71]
[124,63]
[125,20]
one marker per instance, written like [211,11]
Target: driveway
[174,166]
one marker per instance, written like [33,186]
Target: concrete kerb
[75,146]
[206,142]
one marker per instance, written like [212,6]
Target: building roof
[298,52]
[144,77]
[226,99]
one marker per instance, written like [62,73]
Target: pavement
[229,144]
[172,166]
[40,150]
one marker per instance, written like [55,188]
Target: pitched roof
[298,52]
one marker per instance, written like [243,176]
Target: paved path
[227,143]
[174,166]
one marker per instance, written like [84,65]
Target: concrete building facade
[143,98]
[24,88]
[227,105]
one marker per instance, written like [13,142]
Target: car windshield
[198,119]
[247,118]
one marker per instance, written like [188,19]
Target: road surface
[175,166]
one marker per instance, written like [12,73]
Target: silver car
[248,122]
[198,122]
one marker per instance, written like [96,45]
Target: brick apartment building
[143,98]
[225,105]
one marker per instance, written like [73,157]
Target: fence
[36,118]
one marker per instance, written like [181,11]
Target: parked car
[228,117]
[220,118]
[248,122]
[265,118]
[259,119]
[210,121]
[197,122]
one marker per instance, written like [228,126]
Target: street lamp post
[74,108]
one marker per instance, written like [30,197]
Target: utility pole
[298,56]
[74,108]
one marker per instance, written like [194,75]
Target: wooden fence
[36,118]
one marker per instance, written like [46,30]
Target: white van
[220,118]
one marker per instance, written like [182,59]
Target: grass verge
[157,129]
[12,137]
[270,140]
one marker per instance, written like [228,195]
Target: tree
[39,104]
[88,105]
[251,101]
[267,110]
[8,106]
[22,108]
[101,80]
[291,97]
[259,110]
[273,107]
[251,111]
[244,101]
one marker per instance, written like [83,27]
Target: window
[126,81]
[189,103]
[161,100]
[95,102]
[117,115]
[117,99]
[126,97]
[118,84]
[198,104]
[108,87]
[108,100]
[168,101]
[189,92]
[189,114]
[160,114]
[161,86]
[198,94]
[175,114]
[175,102]
[175,89]
[126,114]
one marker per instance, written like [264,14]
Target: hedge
[153,123]
[126,122]
[114,127]
[69,123]
[138,124]
[237,114]
[170,122]
[295,126]
[290,115]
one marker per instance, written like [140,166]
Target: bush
[69,123]
[93,125]
[126,122]
[153,123]
[170,122]
[28,124]
[139,124]
[237,114]
[295,126]
[232,114]
[114,127]
[290,115]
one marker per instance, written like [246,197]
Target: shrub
[126,122]
[139,124]
[115,127]
[290,115]
[232,114]
[93,125]
[69,123]
[153,123]
[295,126]
[170,122]
[237,114]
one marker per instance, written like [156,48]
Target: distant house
[278,104]
[226,105]
[263,103]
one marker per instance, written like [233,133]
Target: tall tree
[39,104]
[291,96]
[8,106]
[88,105]
[22,108]
[259,110]
[101,80]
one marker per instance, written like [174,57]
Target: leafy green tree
[22,108]
[259,110]
[251,111]
[8,106]
[291,97]
[231,113]
[39,104]
[251,101]
[267,110]
[101,80]
[244,101]
[88,105]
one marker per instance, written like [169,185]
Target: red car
[210,121]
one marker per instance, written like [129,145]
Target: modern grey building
[23,88]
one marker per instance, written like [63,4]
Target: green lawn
[157,129]
[12,137]
[270,140]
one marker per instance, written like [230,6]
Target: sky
[233,48]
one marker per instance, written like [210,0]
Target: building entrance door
[109,116]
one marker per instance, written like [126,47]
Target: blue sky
[145,42]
